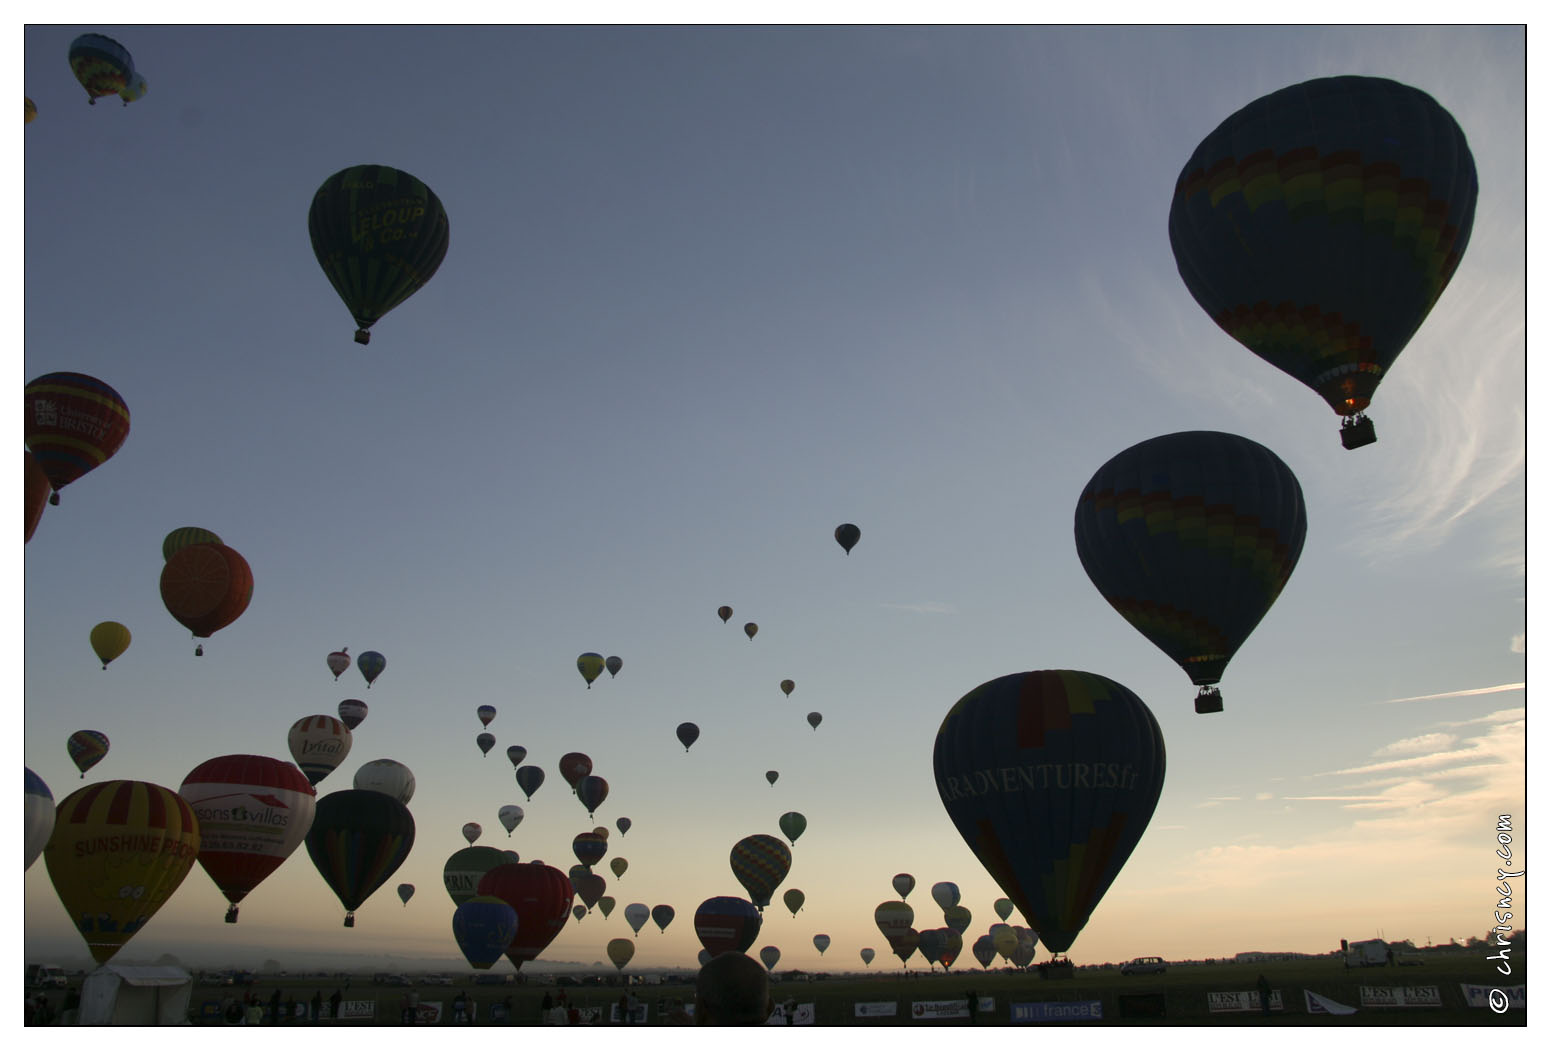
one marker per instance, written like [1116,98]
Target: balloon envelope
[769,955]
[618,866]
[1003,907]
[388,776]
[101,64]
[379,234]
[623,824]
[1191,537]
[86,748]
[319,743]
[372,664]
[510,817]
[118,851]
[636,914]
[338,660]
[36,491]
[38,820]
[253,811]
[793,899]
[357,841]
[867,955]
[591,666]
[613,664]
[983,950]
[760,862]
[793,825]
[1081,761]
[485,742]
[406,891]
[592,790]
[542,896]
[726,924]
[463,870]
[821,942]
[957,917]
[620,951]
[573,767]
[725,612]
[1319,224]
[772,775]
[483,926]
[206,587]
[486,713]
[472,831]
[516,753]
[109,641]
[688,734]
[814,718]
[529,778]
[904,883]
[606,905]
[589,848]
[751,629]
[352,713]
[75,423]
[662,915]
[847,535]
[945,894]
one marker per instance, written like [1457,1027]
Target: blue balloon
[484,926]
[1051,777]
[726,924]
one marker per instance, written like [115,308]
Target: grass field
[1182,993]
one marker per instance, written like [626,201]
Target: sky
[710,293]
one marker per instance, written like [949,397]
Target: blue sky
[710,293]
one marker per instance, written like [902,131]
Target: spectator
[334,1004]
[1265,994]
[974,1006]
[317,1005]
[732,989]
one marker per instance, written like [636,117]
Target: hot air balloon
[945,894]
[847,535]
[591,666]
[606,905]
[372,664]
[688,733]
[1085,757]
[205,587]
[542,896]
[623,824]
[1190,537]
[357,841]
[821,942]
[109,640]
[134,90]
[769,955]
[590,887]
[1319,224]
[1004,939]
[1028,942]
[118,851]
[957,917]
[516,753]
[101,64]
[510,817]
[319,743]
[725,612]
[792,825]
[38,822]
[983,950]
[620,950]
[933,943]
[600,831]
[814,718]
[37,492]
[636,914]
[618,866]
[760,863]
[751,629]
[352,713]
[1003,907]
[406,891]
[74,424]
[726,924]
[483,926]
[31,110]
[463,870]
[338,661]
[388,776]
[485,742]
[787,686]
[613,664]
[379,234]
[486,713]
[793,899]
[186,536]
[87,748]
[592,790]
[867,955]
[472,831]
[253,811]
[662,915]
[589,848]
[905,943]
[771,775]
[573,767]
[529,778]
[904,883]
[894,919]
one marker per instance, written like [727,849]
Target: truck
[1374,952]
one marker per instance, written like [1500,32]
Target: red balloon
[541,896]
[205,587]
[573,767]
[37,492]
[74,423]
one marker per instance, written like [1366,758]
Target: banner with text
[1401,996]
[1059,1011]
[1247,1000]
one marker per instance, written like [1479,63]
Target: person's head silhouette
[732,989]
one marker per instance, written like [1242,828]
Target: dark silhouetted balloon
[1319,224]
[357,841]
[483,927]
[727,924]
[1191,537]
[760,863]
[847,535]
[688,734]
[725,612]
[1086,761]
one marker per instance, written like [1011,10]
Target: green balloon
[792,825]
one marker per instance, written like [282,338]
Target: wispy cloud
[1478,691]
[923,607]
[1414,745]
[1516,644]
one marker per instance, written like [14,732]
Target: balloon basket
[1208,701]
[1357,431]
[231,914]
[349,919]
[362,336]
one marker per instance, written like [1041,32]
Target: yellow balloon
[591,666]
[620,951]
[32,110]
[109,640]
[118,851]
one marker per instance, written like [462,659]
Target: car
[1144,965]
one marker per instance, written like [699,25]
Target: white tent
[121,994]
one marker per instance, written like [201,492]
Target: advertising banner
[922,1009]
[802,1014]
[1246,1000]
[1498,998]
[1315,1004]
[877,1009]
[357,1010]
[1059,1011]
[1401,996]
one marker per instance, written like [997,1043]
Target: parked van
[46,976]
